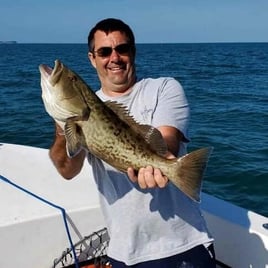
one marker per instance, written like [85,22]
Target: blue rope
[50,204]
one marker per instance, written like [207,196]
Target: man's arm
[172,137]
[66,166]
[148,177]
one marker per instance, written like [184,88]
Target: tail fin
[191,169]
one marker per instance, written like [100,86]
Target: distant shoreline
[8,42]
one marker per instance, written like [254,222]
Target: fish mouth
[53,75]
[45,70]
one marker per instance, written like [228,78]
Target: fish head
[60,92]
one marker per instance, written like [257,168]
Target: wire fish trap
[91,252]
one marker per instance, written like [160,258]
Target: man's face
[116,70]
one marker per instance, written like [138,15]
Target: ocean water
[226,85]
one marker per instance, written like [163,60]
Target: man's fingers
[148,177]
[131,174]
[160,180]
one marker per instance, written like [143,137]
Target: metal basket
[91,251]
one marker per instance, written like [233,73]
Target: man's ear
[92,59]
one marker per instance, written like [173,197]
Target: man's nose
[114,55]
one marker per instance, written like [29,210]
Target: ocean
[226,85]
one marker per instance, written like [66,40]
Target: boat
[48,222]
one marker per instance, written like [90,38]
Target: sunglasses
[122,49]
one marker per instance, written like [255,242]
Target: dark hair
[111,25]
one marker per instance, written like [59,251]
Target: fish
[110,133]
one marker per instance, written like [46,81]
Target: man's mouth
[117,68]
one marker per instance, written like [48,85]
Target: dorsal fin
[121,111]
[154,138]
[151,135]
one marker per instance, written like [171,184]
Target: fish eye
[73,78]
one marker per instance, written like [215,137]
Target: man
[151,223]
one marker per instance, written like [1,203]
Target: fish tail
[190,171]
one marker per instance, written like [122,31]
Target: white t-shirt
[148,224]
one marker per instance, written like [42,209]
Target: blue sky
[153,21]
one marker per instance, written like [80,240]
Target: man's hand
[148,177]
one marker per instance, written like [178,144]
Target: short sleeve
[172,108]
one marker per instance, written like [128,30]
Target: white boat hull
[33,233]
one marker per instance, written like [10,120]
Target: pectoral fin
[73,137]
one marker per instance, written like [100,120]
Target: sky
[153,21]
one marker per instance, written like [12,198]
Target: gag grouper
[107,131]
